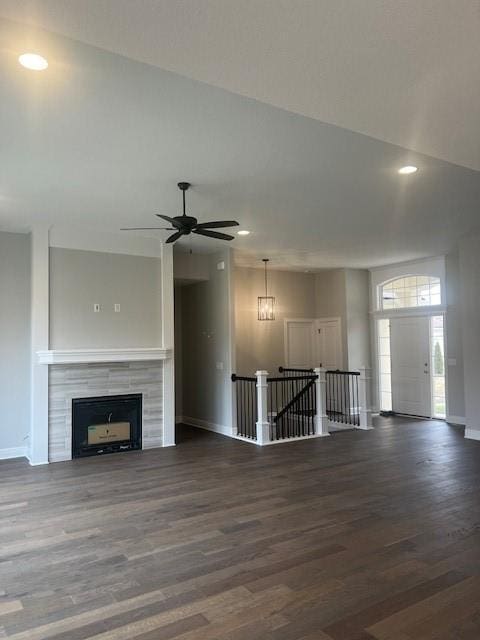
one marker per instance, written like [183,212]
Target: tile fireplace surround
[68,381]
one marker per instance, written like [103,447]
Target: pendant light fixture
[266,303]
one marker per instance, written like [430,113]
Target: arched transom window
[410,291]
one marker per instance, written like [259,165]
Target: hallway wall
[207,348]
[15,325]
[469,272]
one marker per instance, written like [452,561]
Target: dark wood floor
[358,536]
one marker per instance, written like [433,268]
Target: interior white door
[329,343]
[299,343]
[410,358]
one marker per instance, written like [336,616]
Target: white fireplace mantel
[84,356]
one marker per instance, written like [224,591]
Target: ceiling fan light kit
[185,225]
[266,303]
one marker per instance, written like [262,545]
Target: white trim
[227,431]
[434,266]
[285,440]
[472,434]
[456,420]
[13,452]
[39,316]
[168,338]
[434,310]
[84,356]
[209,426]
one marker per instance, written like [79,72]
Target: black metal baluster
[250,407]
[357,418]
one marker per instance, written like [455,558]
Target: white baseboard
[456,420]
[13,452]
[472,434]
[209,426]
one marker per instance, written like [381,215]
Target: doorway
[311,342]
[412,366]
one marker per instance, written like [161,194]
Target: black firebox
[106,424]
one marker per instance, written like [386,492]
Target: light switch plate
[221,265]
[117,308]
[96,308]
[220,366]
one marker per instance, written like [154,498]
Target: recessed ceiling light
[33,61]
[243,232]
[410,168]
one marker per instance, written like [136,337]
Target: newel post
[321,419]
[364,398]
[263,425]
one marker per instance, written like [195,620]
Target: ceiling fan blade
[218,224]
[174,237]
[147,228]
[173,222]
[213,234]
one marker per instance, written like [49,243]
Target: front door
[410,357]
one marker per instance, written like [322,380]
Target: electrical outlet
[220,366]
[96,308]
[117,308]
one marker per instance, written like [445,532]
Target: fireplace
[106,424]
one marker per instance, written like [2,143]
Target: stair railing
[301,403]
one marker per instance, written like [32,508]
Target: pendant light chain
[265,261]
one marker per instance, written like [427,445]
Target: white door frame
[314,322]
[402,313]
[338,322]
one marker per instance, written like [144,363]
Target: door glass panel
[437,367]
[385,365]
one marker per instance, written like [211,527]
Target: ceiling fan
[184,225]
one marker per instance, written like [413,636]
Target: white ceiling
[99,141]
[404,72]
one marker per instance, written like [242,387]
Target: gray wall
[469,261]
[178,350]
[453,333]
[14,339]
[342,293]
[357,292]
[206,327]
[79,279]
[260,345]
[190,267]
[331,301]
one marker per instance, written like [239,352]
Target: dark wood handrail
[282,369]
[235,378]
[295,398]
[345,373]
[287,378]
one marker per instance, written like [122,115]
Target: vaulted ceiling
[404,72]
[99,140]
